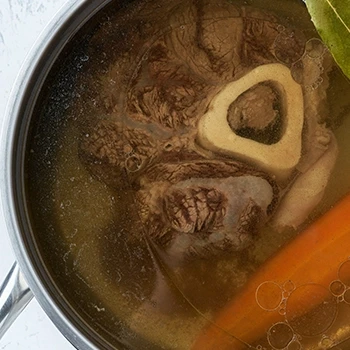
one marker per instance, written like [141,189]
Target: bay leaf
[332,21]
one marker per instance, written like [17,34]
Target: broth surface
[148,231]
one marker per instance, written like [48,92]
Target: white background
[21,22]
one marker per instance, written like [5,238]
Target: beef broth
[149,224]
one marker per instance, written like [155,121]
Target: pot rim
[67,13]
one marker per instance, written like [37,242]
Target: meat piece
[194,209]
[181,53]
[190,215]
[153,75]
[114,151]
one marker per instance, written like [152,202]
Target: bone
[278,159]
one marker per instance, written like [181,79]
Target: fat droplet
[315,48]
[344,273]
[288,286]
[307,72]
[269,295]
[311,309]
[337,288]
[280,335]
[347,296]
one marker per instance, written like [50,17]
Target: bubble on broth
[285,43]
[269,296]
[344,273]
[346,296]
[337,288]
[312,61]
[321,316]
[315,48]
[288,286]
[280,335]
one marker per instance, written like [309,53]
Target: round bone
[279,159]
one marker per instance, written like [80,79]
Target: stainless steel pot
[29,276]
[25,278]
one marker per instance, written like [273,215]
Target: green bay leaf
[332,21]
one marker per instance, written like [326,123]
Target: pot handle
[14,297]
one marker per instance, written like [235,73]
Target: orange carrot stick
[314,257]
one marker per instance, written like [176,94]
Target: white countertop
[21,22]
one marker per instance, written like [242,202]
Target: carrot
[311,259]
